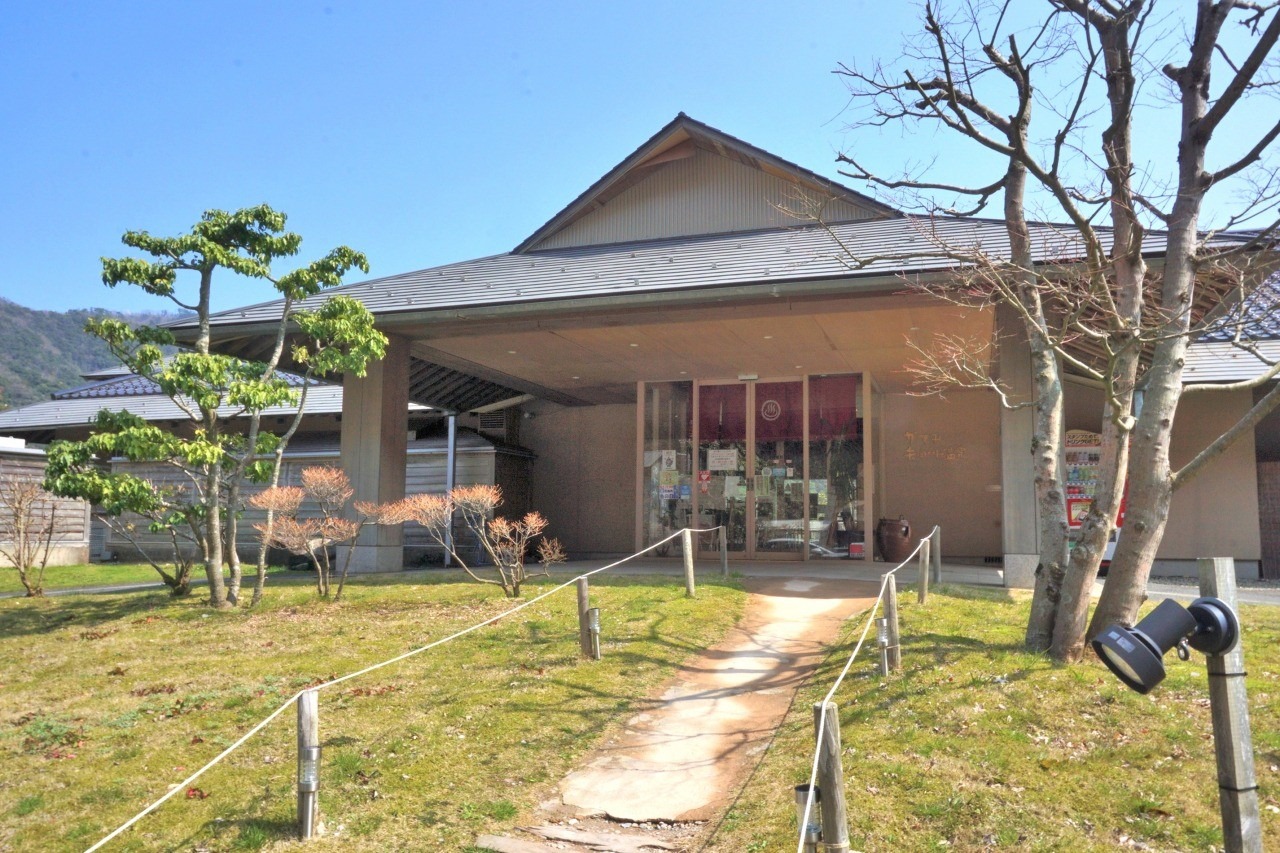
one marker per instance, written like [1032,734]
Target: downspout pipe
[450,478]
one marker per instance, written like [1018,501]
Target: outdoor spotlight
[1136,655]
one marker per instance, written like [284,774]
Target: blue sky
[419,133]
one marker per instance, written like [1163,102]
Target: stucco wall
[1216,513]
[941,465]
[583,480]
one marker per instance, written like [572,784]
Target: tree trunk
[1129,271]
[1047,390]
[1091,542]
[213,538]
[1049,499]
[230,536]
[1150,475]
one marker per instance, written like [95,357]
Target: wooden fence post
[686,539]
[1232,738]
[891,614]
[935,551]
[835,818]
[584,630]
[724,552]
[308,763]
[922,591]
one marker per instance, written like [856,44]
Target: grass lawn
[978,745]
[108,574]
[107,700]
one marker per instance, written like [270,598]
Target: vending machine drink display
[1083,454]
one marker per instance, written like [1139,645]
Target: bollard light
[1136,655]
[882,642]
[308,786]
[812,829]
[593,625]
[309,770]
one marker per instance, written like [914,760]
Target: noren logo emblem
[770,410]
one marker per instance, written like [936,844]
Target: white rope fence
[278,711]
[822,718]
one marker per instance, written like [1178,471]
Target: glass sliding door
[778,470]
[722,485]
[777,462]
[836,488]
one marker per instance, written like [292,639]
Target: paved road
[1251,592]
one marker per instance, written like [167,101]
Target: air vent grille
[493,421]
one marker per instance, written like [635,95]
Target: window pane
[666,478]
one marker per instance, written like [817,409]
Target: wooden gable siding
[425,474]
[702,194]
[71,516]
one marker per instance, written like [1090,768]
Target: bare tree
[315,537]
[1086,298]
[28,530]
[1152,479]
[506,541]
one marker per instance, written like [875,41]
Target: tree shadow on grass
[943,647]
[41,616]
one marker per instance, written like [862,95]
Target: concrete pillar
[1021,532]
[375,431]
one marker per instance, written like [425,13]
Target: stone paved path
[683,759]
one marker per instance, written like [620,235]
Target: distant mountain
[45,351]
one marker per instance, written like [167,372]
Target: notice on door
[669,485]
[722,460]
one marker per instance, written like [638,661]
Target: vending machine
[1082,455]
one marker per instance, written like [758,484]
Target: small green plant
[347,763]
[253,836]
[43,733]
[127,720]
[27,805]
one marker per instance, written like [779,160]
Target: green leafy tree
[222,444]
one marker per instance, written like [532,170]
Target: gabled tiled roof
[1255,323]
[854,250]
[322,399]
[1257,318]
[132,385]
[682,126]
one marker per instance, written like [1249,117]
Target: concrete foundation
[1020,570]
